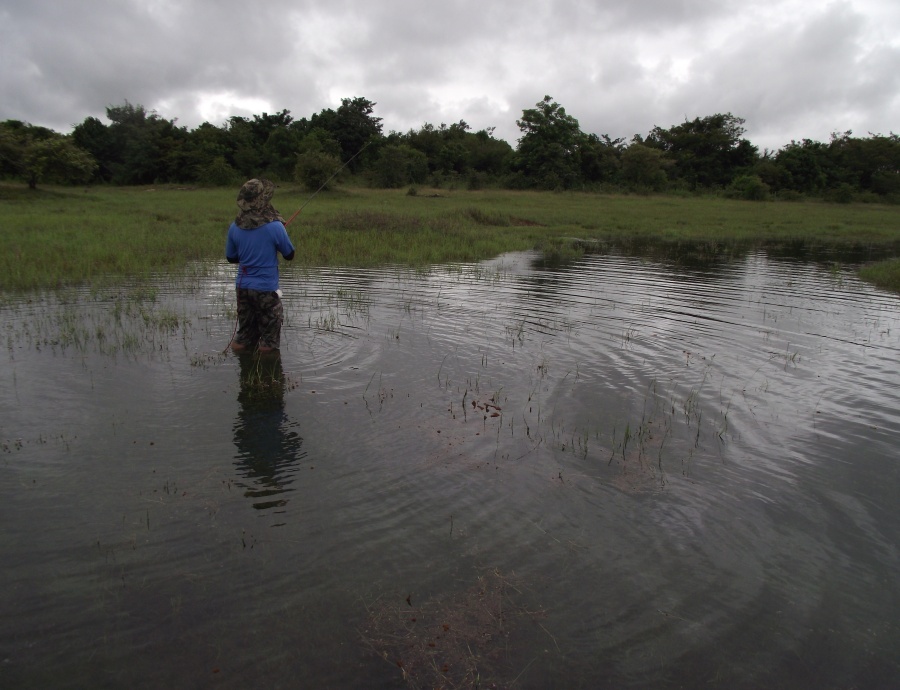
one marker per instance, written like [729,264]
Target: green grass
[61,236]
[884,274]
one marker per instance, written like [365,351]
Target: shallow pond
[614,473]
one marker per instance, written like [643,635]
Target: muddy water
[615,473]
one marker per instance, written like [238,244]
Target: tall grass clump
[883,274]
[53,238]
[481,216]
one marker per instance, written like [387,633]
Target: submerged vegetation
[60,236]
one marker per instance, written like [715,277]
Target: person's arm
[231,250]
[284,244]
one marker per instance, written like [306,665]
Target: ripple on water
[673,463]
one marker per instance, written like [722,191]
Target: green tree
[280,152]
[12,148]
[57,160]
[708,151]
[749,187]
[205,156]
[94,137]
[244,151]
[454,151]
[601,158]
[398,165]
[318,140]
[643,167]
[429,140]
[15,139]
[804,164]
[263,125]
[865,163]
[144,148]
[487,154]
[771,174]
[354,127]
[40,155]
[314,169]
[274,142]
[548,151]
[444,147]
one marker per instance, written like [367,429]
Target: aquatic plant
[459,640]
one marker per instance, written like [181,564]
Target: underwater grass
[58,236]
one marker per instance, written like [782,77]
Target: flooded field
[621,473]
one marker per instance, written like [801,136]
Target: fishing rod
[325,183]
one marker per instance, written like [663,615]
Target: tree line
[707,154]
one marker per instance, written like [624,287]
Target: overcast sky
[792,69]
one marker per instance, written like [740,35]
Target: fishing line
[325,183]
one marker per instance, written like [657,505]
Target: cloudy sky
[792,69]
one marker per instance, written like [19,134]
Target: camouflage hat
[255,201]
[255,195]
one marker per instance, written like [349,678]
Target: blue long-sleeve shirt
[257,253]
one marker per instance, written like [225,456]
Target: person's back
[255,239]
[258,250]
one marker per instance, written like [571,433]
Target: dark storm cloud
[791,69]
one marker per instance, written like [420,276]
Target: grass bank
[884,274]
[60,236]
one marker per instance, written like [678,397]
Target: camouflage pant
[260,316]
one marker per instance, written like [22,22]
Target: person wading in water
[255,239]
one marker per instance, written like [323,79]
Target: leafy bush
[475,181]
[217,173]
[397,166]
[643,168]
[842,194]
[57,160]
[314,168]
[886,182]
[749,187]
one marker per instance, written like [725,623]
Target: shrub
[314,168]
[398,166]
[749,187]
[842,194]
[789,195]
[217,173]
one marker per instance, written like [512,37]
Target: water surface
[614,473]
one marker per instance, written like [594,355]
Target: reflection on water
[268,446]
[627,471]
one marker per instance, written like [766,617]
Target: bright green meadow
[58,236]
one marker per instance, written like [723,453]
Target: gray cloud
[790,69]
